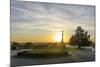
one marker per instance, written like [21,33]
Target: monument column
[62,37]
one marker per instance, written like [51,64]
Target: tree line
[81,38]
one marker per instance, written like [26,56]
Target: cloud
[29,17]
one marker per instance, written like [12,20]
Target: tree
[15,43]
[81,38]
[28,45]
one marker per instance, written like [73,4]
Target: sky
[40,22]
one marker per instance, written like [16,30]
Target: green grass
[71,49]
[44,52]
[47,50]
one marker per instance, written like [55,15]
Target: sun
[58,37]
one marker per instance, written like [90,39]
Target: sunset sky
[40,22]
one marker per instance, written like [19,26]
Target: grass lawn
[44,52]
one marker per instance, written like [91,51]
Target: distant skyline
[40,22]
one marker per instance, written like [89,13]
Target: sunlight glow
[58,37]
